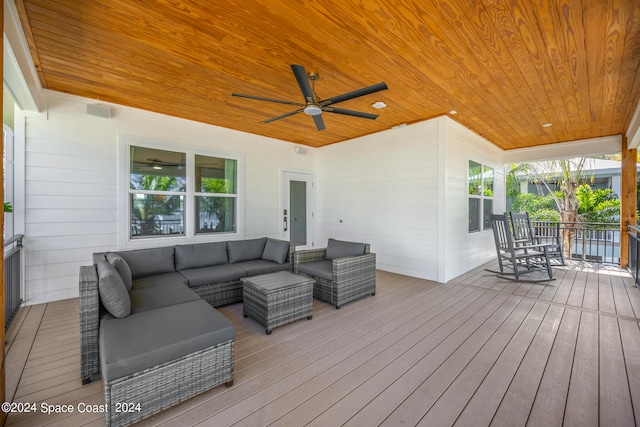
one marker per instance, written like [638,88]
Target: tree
[216,206]
[569,174]
[514,176]
[147,208]
[600,205]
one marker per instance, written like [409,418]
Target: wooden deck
[477,351]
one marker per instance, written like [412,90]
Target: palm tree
[566,202]
[596,206]
[150,206]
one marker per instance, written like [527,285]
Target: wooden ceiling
[506,66]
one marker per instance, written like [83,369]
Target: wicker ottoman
[277,298]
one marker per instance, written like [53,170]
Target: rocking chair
[524,233]
[518,259]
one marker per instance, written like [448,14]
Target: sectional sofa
[148,326]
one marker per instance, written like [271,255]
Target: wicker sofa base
[326,290]
[144,393]
[219,294]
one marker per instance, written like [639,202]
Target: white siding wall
[463,250]
[70,181]
[402,190]
[383,189]
[405,192]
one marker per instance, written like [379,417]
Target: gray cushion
[200,255]
[112,290]
[122,267]
[276,251]
[217,274]
[322,268]
[340,249]
[245,250]
[150,298]
[153,337]
[147,262]
[173,278]
[261,266]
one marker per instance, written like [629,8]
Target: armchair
[343,271]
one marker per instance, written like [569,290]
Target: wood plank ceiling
[506,66]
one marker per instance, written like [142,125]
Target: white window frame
[190,236]
[481,197]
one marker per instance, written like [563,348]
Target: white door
[296,211]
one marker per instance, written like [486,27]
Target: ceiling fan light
[157,167]
[312,110]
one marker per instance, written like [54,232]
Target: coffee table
[274,299]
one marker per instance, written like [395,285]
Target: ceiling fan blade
[319,122]
[259,98]
[303,82]
[355,94]
[350,113]
[282,116]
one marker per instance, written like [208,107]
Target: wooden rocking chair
[524,233]
[518,259]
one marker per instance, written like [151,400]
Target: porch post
[3,416]
[628,198]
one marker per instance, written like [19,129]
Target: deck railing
[634,251]
[159,227]
[590,241]
[12,269]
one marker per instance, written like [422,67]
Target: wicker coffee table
[277,298]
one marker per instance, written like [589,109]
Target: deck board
[582,398]
[615,400]
[453,400]
[548,406]
[484,403]
[516,403]
[418,403]
[477,351]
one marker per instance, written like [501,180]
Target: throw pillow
[200,255]
[122,267]
[276,251]
[340,249]
[149,262]
[113,292]
[245,250]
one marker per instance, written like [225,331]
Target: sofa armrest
[99,256]
[351,268]
[308,255]
[89,323]
[290,255]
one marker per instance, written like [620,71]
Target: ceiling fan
[158,164]
[313,105]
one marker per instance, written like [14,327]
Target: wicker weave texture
[220,293]
[353,277]
[272,308]
[89,323]
[157,388]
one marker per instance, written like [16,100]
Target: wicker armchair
[338,279]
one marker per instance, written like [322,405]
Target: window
[480,196]
[180,193]
[215,194]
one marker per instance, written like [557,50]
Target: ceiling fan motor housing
[312,109]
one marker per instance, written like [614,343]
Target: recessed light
[453,112]
[547,125]
[379,105]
